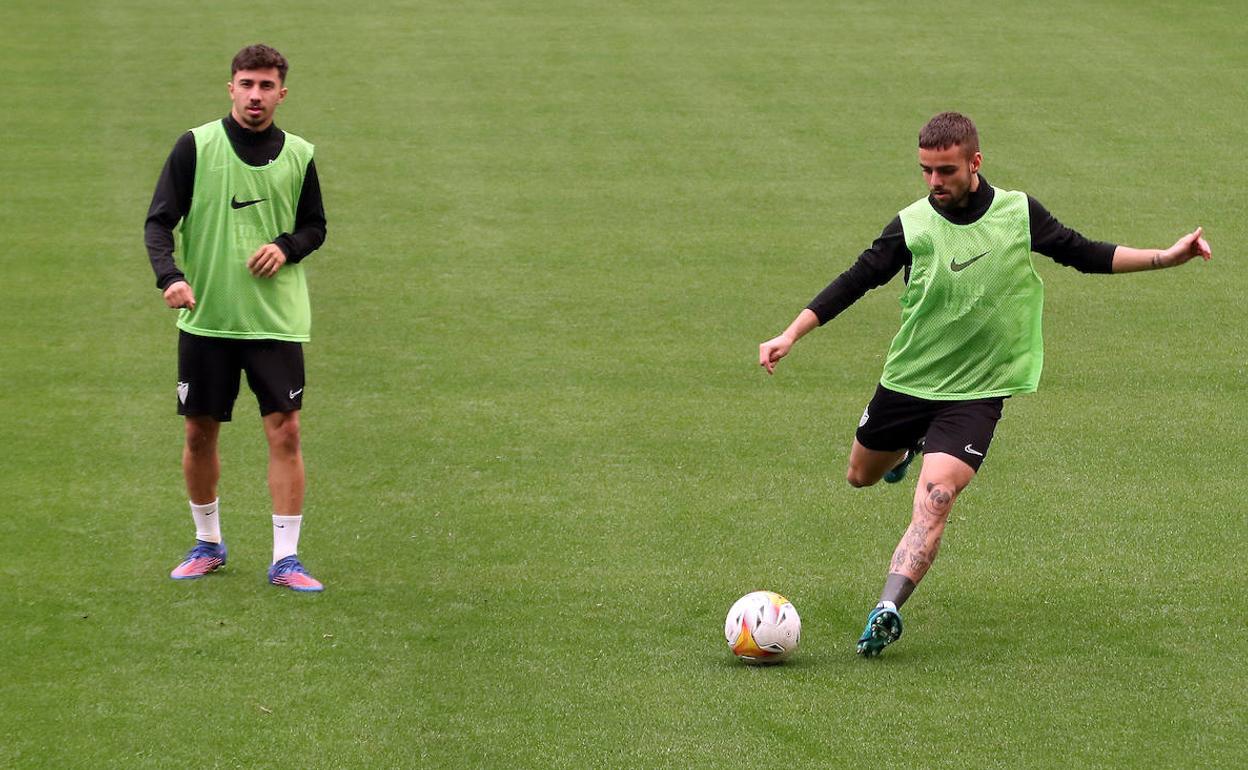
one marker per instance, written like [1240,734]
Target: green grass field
[542,458]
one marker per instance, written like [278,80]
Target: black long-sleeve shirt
[174,189]
[889,254]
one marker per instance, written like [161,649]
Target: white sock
[285,536]
[207,521]
[886,606]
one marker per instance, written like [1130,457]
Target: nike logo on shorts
[294,393]
[971,450]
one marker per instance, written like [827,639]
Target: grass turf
[542,461]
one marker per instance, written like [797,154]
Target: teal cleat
[899,470]
[883,628]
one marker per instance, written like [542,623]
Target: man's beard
[953,203]
[253,121]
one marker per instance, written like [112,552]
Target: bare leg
[868,466]
[286,478]
[943,478]
[201,465]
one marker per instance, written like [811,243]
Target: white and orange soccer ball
[763,627]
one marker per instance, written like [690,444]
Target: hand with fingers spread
[266,261]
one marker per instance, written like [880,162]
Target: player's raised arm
[1129,260]
[776,348]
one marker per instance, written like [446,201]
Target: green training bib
[236,209]
[971,313]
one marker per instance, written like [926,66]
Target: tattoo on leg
[918,547]
[899,559]
[918,535]
[938,501]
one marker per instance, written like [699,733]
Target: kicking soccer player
[969,337]
[249,200]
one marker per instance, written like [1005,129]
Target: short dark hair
[259,57]
[948,129]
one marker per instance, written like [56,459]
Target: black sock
[897,588]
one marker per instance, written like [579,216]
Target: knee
[857,478]
[283,433]
[200,439]
[937,499]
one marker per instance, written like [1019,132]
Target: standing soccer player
[249,201]
[969,337]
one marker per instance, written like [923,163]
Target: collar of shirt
[976,205]
[256,148]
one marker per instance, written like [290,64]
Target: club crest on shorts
[183,389]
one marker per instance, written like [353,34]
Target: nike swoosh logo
[294,393]
[968,448]
[237,204]
[955,265]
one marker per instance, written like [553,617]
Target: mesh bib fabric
[236,209]
[971,313]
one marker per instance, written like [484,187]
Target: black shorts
[209,368]
[963,429]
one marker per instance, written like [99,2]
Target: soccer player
[969,337]
[249,201]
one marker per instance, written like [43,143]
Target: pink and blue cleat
[290,573]
[205,557]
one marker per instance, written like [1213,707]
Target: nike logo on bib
[237,204]
[955,265]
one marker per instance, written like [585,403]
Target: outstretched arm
[1129,260]
[776,348]
[876,266]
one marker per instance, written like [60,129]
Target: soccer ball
[762,627]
